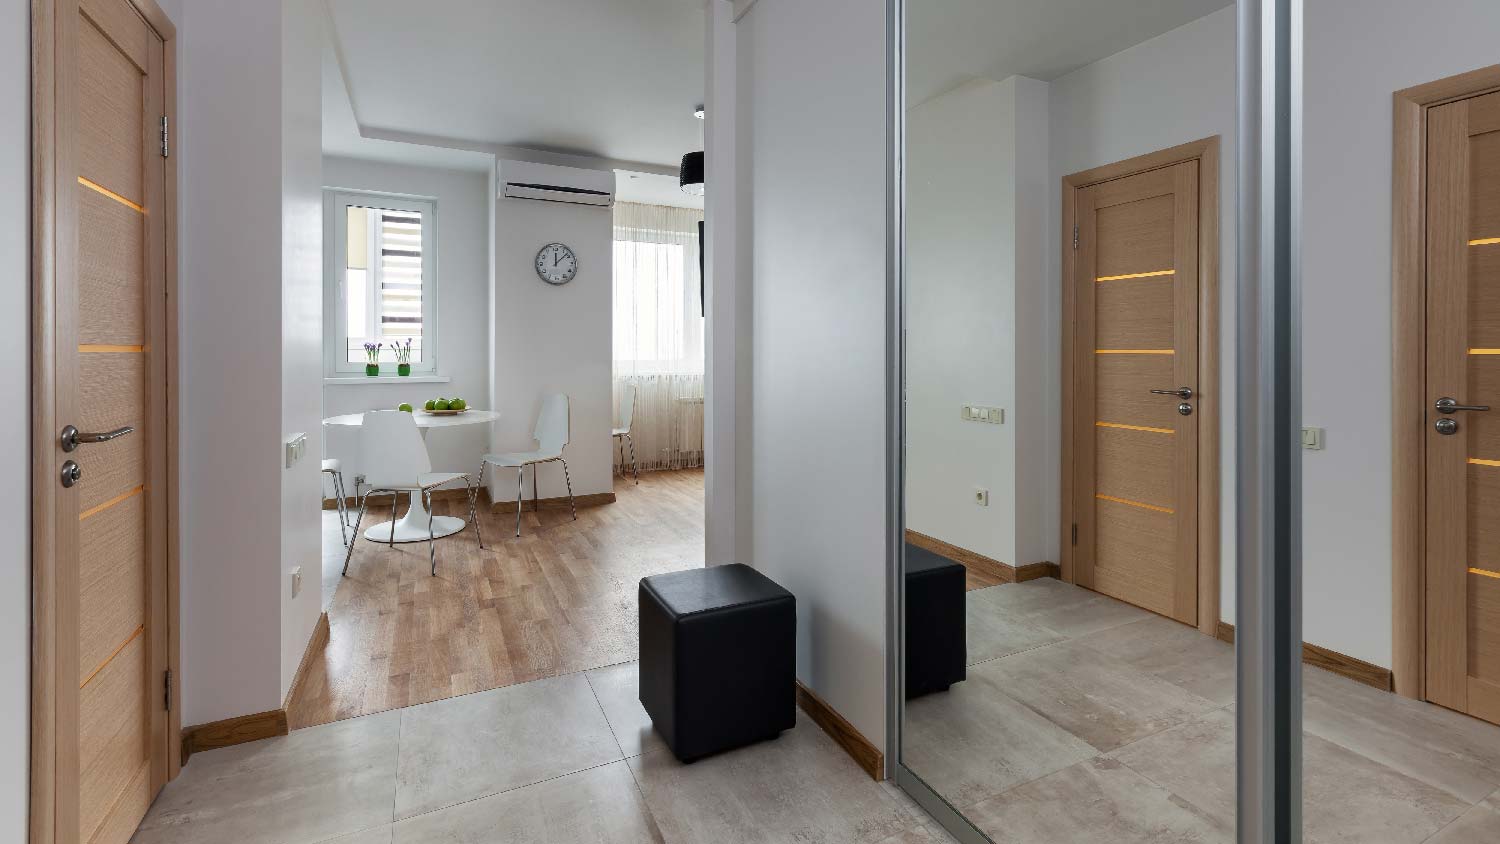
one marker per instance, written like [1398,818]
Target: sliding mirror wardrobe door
[1069,223]
[1400,262]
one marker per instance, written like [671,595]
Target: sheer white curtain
[658,332]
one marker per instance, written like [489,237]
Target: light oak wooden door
[108,627]
[1135,370]
[1463,442]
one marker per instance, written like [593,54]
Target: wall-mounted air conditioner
[549,183]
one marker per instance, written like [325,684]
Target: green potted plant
[372,358]
[403,357]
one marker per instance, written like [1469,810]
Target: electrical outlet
[1312,439]
[296,448]
[296,581]
[981,496]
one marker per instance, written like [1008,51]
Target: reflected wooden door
[1463,441]
[103,332]
[1135,371]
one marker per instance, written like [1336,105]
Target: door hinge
[167,698]
[1075,534]
[1075,235]
[166,145]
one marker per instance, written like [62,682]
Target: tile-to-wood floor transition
[560,599]
[1084,719]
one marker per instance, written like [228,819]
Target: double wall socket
[982,413]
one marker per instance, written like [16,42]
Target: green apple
[441,404]
[458,404]
[430,405]
[404,406]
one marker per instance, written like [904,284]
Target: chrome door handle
[1447,405]
[72,438]
[1183,393]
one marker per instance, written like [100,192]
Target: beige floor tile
[481,744]
[1100,800]
[1096,698]
[598,806]
[310,786]
[799,787]
[991,631]
[1060,607]
[922,834]
[1454,752]
[1347,797]
[974,741]
[618,690]
[1172,651]
[1479,825]
[378,835]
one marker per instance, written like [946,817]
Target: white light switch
[296,448]
[981,413]
[1312,439]
[296,581]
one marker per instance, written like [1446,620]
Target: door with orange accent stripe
[1463,381]
[108,629]
[1135,454]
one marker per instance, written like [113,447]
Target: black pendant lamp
[690,177]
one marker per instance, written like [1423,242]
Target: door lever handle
[1448,405]
[72,438]
[1183,393]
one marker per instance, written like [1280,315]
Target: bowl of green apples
[444,406]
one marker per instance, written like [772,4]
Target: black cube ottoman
[718,665]
[936,650]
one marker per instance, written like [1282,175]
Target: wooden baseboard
[860,749]
[315,646]
[232,731]
[437,495]
[596,499]
[1342,664]
[995,569]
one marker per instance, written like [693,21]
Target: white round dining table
[412,527]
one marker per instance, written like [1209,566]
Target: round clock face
[556,264]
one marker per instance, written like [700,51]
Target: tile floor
[1084,719]
[565,759]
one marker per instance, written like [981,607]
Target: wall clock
[556,263]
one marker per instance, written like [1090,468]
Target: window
[381,282]
[658,311]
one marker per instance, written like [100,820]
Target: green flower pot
[403,369]
[372,369]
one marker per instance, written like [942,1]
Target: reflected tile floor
[568,759]
[1084,719]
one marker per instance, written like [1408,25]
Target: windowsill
[356,380]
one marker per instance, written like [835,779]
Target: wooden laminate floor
[560,599]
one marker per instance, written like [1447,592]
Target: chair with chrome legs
[551,435]
[335,471]
[622,434]
[395,463]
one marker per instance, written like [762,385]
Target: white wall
[976,289]
[1357,55]
[552,339]
[727,357]
[816,148]
[15,418]
[250,315]
[301,322]
[463,247]
[1175,88]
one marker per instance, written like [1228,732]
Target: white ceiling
[606,79]
[950,42]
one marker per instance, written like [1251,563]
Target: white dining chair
[551,435]
[395,463]
[622,433]
[335,471]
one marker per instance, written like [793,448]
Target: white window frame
[335,238]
